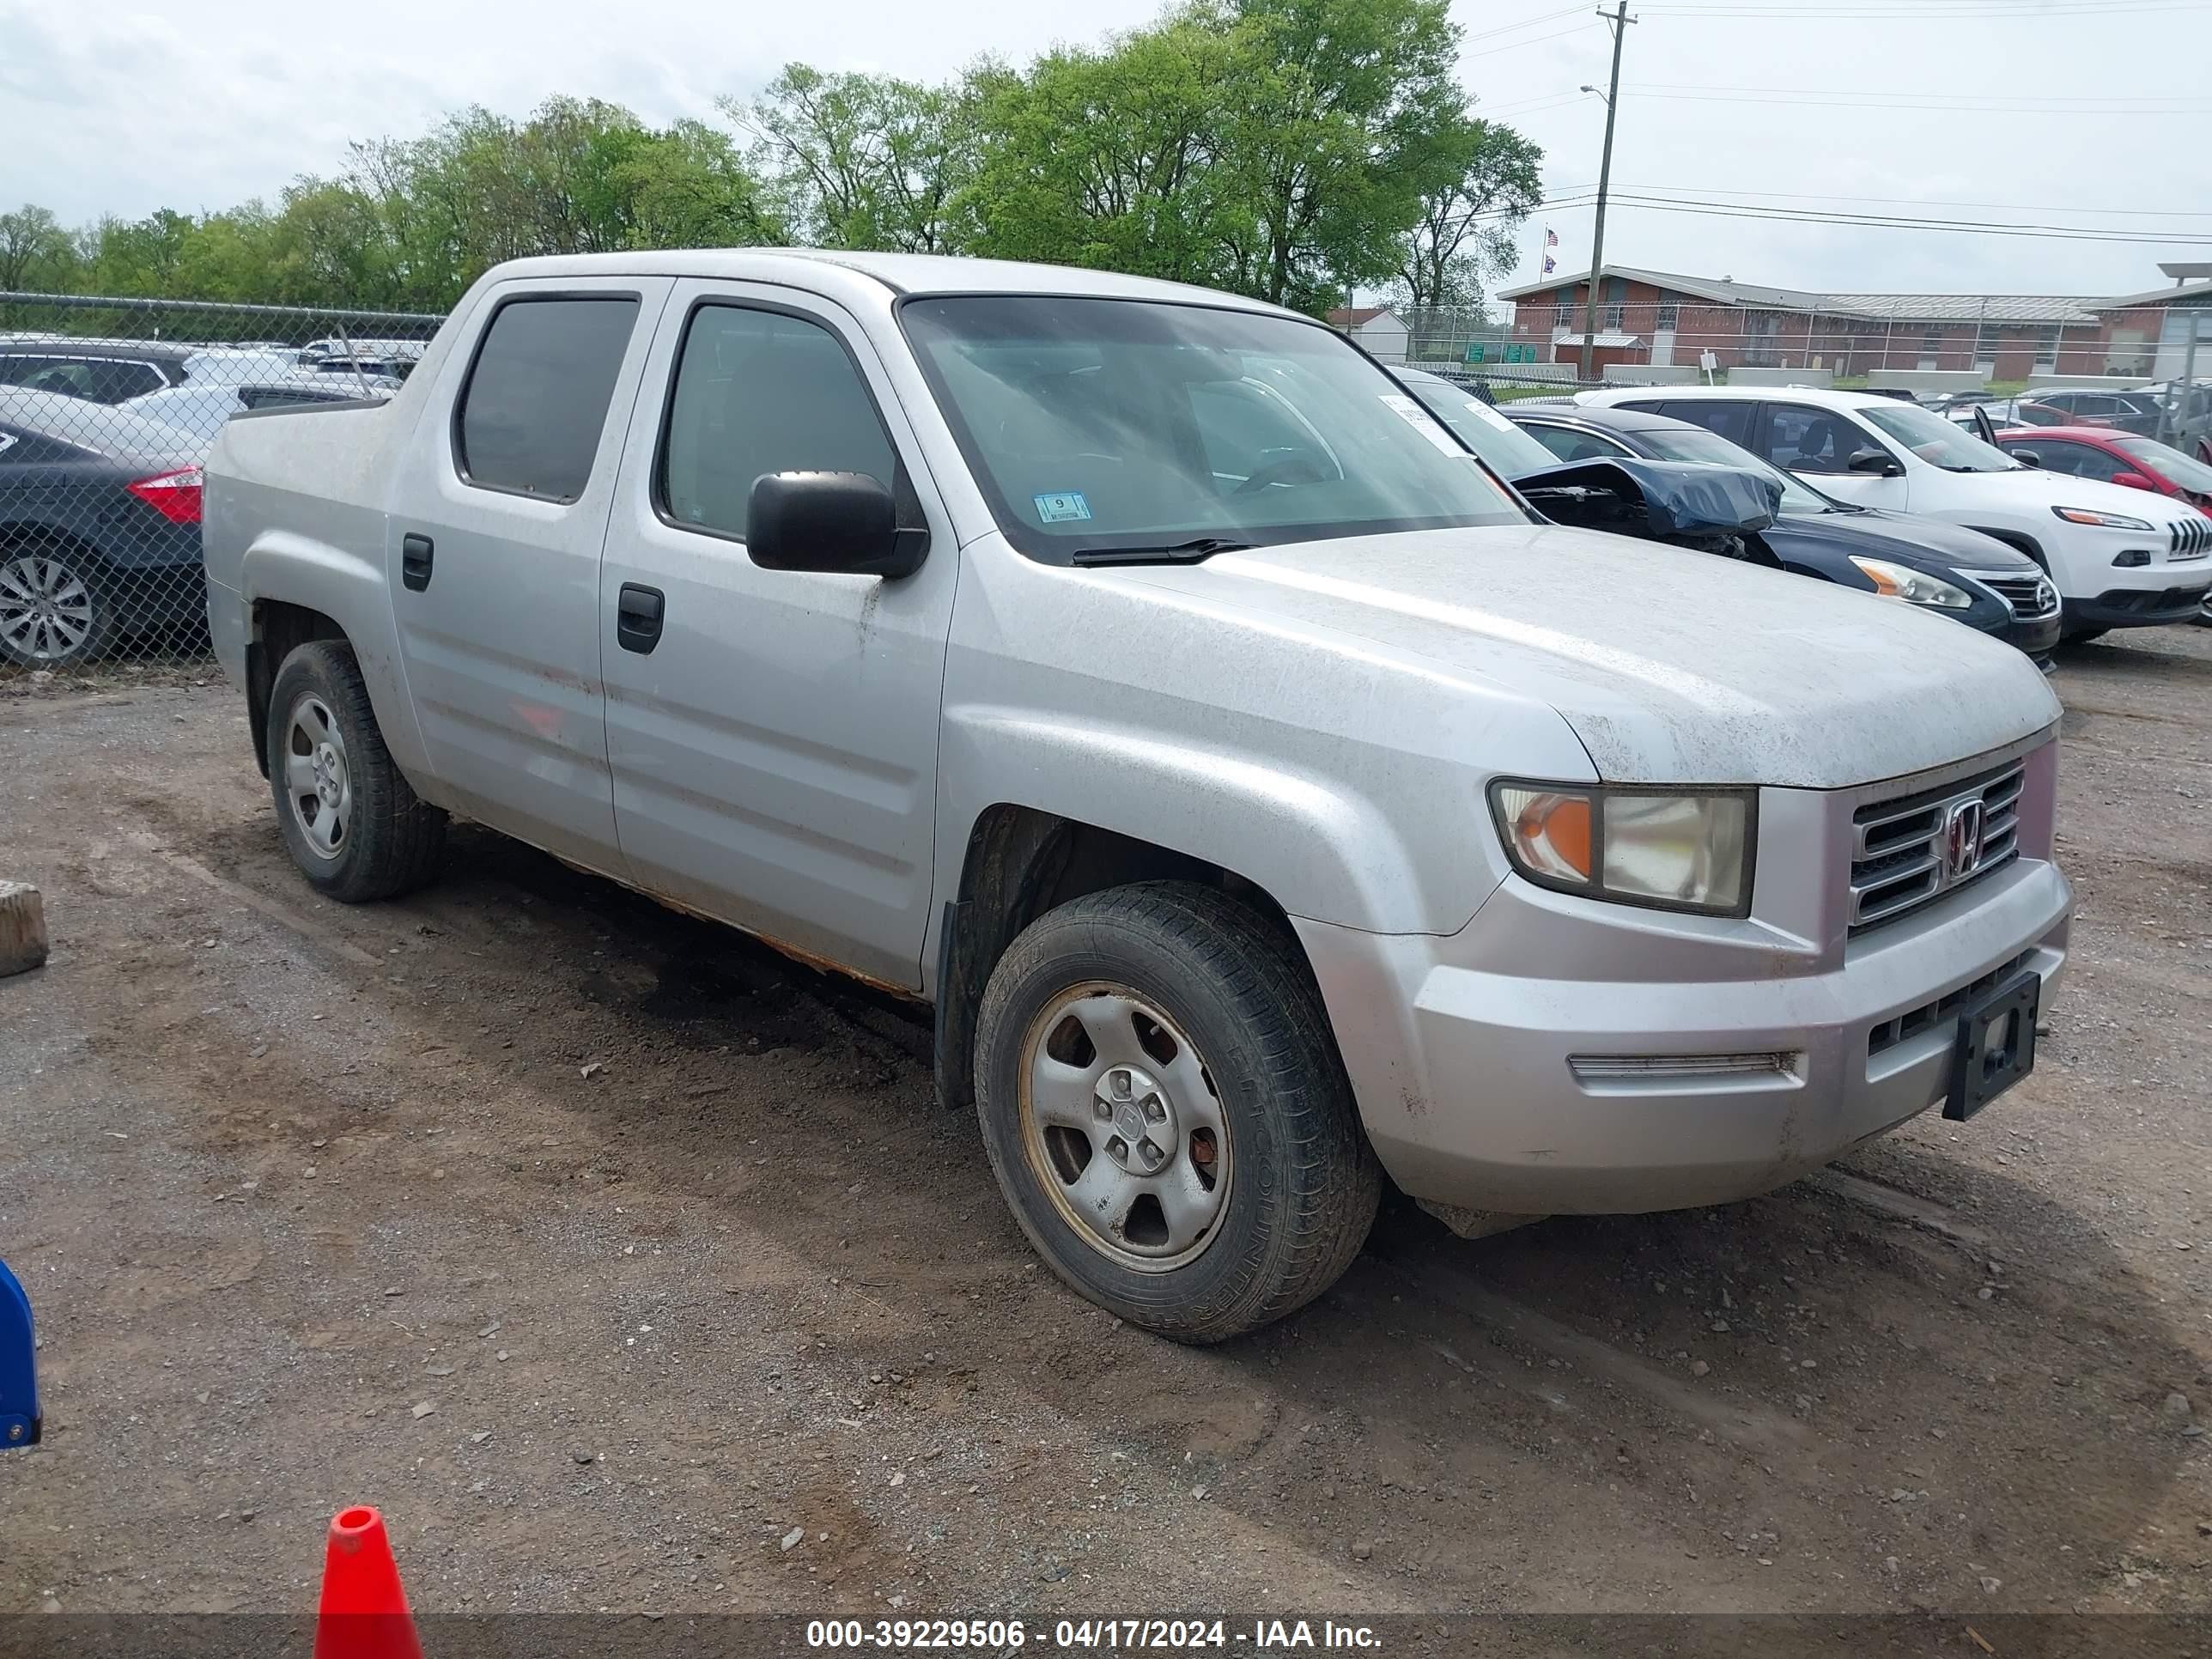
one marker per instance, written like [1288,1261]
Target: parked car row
[116,371]
[2118,557]
[1984,583]
[100,444]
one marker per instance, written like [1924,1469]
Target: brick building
[1664,318]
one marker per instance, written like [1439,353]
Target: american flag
[1551,241]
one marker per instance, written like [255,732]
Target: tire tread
[1311,1228]
[399,839]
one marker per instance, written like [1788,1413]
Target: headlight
[2102,520]
[1669,849]
[1896,582]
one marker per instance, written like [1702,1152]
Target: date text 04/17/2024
[1091,1635]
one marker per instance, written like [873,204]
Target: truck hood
[1670,666]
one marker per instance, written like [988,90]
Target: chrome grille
[2189,538]
[1902,850]
[2032,597]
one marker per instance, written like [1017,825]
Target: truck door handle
[637,618]
[415,561]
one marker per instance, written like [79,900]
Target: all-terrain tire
[393,842]
[1303,1183]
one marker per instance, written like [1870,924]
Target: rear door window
[1732,420]
[535,405]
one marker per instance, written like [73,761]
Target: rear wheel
[54,610]
[1165,1111]
[352,823]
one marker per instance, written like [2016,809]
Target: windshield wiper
[1189,552]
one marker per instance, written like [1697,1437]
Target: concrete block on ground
[22,928]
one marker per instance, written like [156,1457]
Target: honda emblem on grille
[1962,839]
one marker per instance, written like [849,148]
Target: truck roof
[902,273]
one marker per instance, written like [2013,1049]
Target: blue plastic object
[19,1366]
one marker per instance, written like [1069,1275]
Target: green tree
[1336,112]
[860,161]
[1487,179]
[1110,158]
[35,251]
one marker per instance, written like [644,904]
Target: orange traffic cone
[364,1611]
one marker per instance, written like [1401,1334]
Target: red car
[2114,457]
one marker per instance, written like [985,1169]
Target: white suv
[2120,558]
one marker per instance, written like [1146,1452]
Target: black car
[100,528]
[1956,572]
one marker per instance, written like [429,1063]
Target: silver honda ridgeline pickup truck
[1264,799]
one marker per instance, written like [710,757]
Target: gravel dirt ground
[626,1265]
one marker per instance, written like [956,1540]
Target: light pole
[1621,19]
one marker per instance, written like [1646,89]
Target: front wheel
[1165,1111]
[350,819]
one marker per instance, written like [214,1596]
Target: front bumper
[2037,637]
[2135,607]
[1460,1049]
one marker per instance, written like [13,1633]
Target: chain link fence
[2034,360]
[107,408]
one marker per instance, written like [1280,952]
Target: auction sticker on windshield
[1423,423]
[1061,509]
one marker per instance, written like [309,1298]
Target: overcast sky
[111,108]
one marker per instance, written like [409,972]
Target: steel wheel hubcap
[45,609]
[1123,1127]
[316,783]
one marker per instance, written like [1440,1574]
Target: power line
[1583,195]
[1950,100]
[1895,92]
[1552,101]
[1934,102]
[1704,190]
[1932,10]
[1882,221]
[1525,24]
[1515,45]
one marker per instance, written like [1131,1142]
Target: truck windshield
[1098,427]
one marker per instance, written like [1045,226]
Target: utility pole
[2174,417]
[1621,19]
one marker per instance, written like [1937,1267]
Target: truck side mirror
[842,523]
[1879,462]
